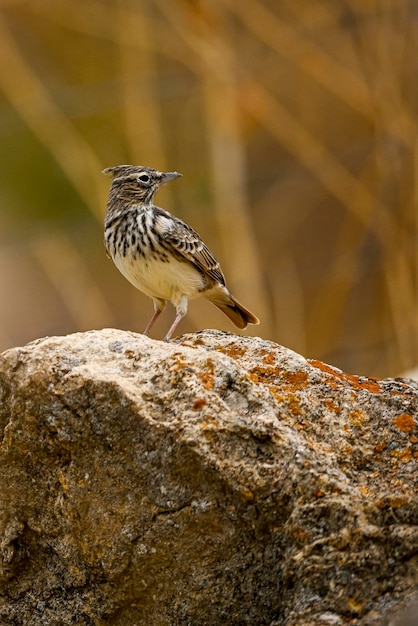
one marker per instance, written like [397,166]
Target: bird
[158,253]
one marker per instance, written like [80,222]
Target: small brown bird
[160,254]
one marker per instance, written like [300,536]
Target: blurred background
[294,124]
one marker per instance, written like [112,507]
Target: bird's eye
[144,178]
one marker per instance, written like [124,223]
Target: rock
[408,617]
[217,480]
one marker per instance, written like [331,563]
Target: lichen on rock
[213,480]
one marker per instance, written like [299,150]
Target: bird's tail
[233,309]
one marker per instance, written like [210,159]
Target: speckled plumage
[158,253]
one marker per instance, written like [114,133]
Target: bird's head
[136,184]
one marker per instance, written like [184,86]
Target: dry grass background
[294,124]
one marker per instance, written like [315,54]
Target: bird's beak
[167,176]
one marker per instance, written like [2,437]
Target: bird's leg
[181,310]
[151,322]
[173,326]
[159,306]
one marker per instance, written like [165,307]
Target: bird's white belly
[158,279]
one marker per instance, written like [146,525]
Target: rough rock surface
[217,480]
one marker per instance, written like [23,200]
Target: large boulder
[214,480]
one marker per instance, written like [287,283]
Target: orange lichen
[294,405]
[290,399]
[207,377]
[264,375]
[405,422]
[300,534]
[179,364]
[296,379]
[198,404]
[395,502]
[198,342]
[355,606]
[406,455]
[292,381]
[278,394]
[209,424]
[233,350]
[357,417]
[269,359]
[247,495]
[338,377]
[332,406]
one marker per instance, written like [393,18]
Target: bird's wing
[185,241]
